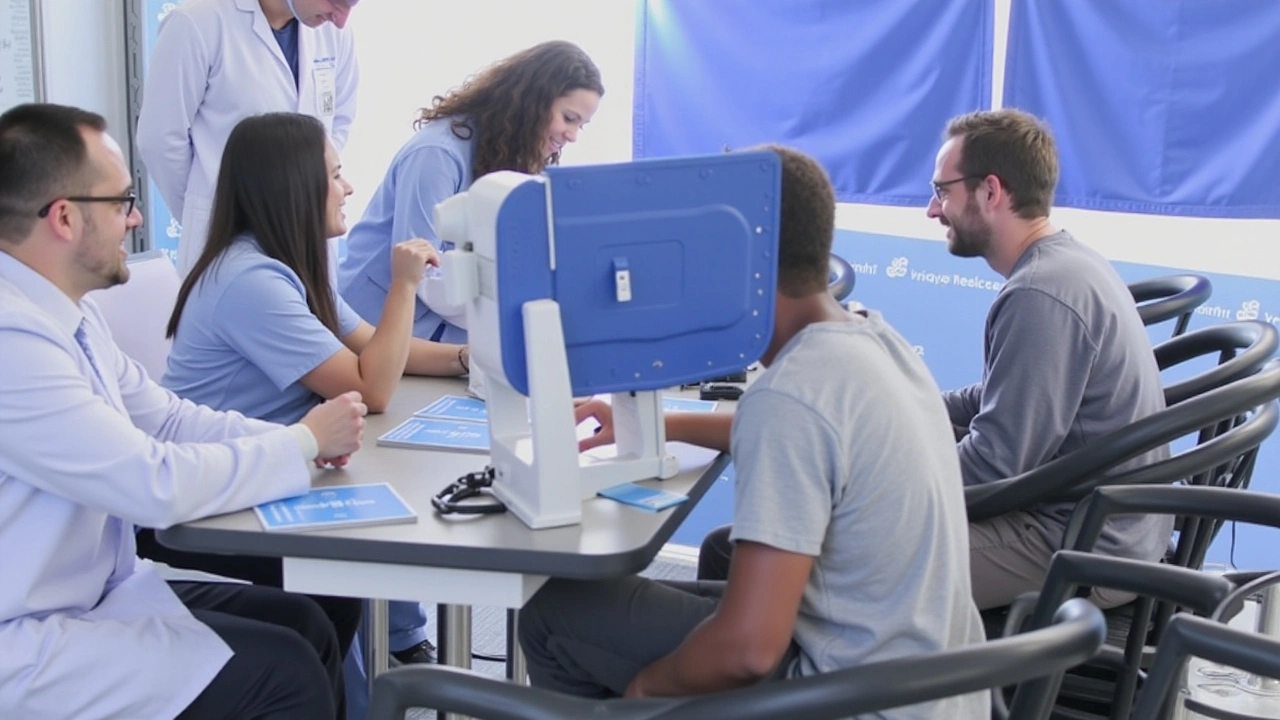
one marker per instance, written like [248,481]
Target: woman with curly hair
[517,114]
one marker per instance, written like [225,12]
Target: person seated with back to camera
[826,576]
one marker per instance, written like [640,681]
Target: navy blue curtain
[866,87]
[1159,106]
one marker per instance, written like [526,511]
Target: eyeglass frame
[131,198]
[938,186]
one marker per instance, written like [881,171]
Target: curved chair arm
[842,278]
[1192,636]
[1174,296]
[1233,603]
[1055,480]
[1214,453]
[1077,634]
[1215,503]
[1069,570]
[1243,347]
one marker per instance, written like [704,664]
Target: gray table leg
[517,671]
[375,639]
[453,641]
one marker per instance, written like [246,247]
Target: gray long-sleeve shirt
[1066,362]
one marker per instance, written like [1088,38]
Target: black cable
[488,658]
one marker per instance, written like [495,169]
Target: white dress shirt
[87,630]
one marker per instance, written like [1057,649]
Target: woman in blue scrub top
[517,114]
[258,328]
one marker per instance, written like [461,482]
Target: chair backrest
[138,310]
[1173,296]
[841,278]
[1242,347]
[1077,633]
[1071,477]
[1188,636]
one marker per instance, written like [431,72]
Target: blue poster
[939,303]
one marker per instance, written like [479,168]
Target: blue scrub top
[432,166]
[247,337]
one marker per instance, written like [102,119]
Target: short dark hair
[1016,147]
[42,156]
[507,104]
[807,224]
[273,184]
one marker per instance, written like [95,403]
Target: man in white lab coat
[216,62]
[92,447]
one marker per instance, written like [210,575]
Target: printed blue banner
[866,87]
[1159,106]
[939,303]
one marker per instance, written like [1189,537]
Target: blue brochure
[645,498]
[336,507]
[452,407]
[438,434]
[670,404]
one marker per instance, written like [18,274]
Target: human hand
[601,412]
[338,426]
[409,260]
[337,462]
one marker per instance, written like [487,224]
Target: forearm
[437,359]
[709,660]
[708,430]
[384,358]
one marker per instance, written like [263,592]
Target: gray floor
[489,628]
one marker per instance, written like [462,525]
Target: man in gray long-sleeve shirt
[1066,358]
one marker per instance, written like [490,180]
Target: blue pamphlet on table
[336,507]
[438,434]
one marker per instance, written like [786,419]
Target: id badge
[326,95]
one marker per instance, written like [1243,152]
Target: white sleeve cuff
[306,441]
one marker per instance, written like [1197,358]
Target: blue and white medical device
[622,279]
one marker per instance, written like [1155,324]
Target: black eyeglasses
[127,201]
[938,186]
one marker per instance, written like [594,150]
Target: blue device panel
[698,237]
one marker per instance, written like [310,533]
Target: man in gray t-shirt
[1066,358]
[850,526]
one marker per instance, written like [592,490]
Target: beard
[104,264]
[970,234]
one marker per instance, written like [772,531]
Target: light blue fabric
[247,336]
[432,166]
[865,87]
[1158,106]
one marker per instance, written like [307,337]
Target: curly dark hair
[507,105]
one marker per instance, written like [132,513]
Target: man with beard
[1066,358]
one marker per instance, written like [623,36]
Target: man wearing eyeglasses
[91,447]
[1066,358]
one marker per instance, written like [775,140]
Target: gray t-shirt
[1067,362]
[844,452]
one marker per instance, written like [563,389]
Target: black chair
[1075,635]
[1071,477]
[1107,685]
[841,278]
[1166,298]
[1188,636]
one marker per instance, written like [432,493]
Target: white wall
[84,58]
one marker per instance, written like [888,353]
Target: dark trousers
[344,613]
[286,663]
[714,555]
[591,637]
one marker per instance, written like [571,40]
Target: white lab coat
[216,62]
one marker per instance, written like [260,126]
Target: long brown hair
[273,184]
[506,107]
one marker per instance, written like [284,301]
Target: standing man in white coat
[216,62]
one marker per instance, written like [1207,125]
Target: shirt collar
[42,293]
